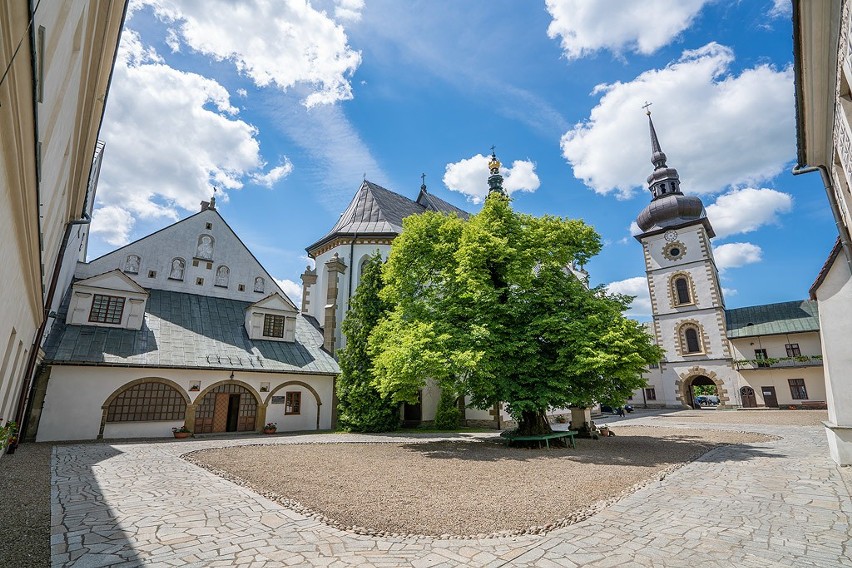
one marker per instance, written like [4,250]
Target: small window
[273,326]
[241,287]
[194,263]
[682,290]
[208,226]
[650,393]
[761,357]
[106,309]
[793,350]
[199,281]
[797,389]
[293,403]
[630,397]
[654,366]
[152,274]
[692,343]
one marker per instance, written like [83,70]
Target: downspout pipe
[351,269]
[835,209]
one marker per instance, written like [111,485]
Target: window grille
[106,309]
[146,402]
[273,326]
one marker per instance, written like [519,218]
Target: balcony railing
[780,362]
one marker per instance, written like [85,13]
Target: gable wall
[181,241]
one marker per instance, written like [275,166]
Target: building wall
[46,153]
[76,394]
[809,345]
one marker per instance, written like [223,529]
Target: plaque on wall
[278,400]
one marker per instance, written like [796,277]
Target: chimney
[205,205]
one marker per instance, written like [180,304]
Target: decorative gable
[272,318]
[111,299]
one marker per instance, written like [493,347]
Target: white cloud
[781,9]
[470,177]
[734,255]
[745,210]
[638,287]
[616,25]
[718,129]
[274,175]
[349,10]
[242,93]
[291,289]
[729,291]
[280,42]
[170,137]
[112,224]
[634,228]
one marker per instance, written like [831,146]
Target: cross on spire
[423,184]
[647,110]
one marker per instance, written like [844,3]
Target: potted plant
[182,432]
[270,428]
[604,430]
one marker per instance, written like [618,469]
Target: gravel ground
[761,417]
[419,489]
[25,507]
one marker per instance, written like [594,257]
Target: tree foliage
[487,308]
[360,407]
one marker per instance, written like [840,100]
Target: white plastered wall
[75,396]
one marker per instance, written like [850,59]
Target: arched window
[681,285]
[690,335]
[147,401]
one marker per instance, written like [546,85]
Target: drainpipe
[835,210]
[351,269]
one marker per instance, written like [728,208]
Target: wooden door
[220,414]
[769,398]
[749,400]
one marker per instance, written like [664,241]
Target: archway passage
[694,389]
[226,408]
[749,399]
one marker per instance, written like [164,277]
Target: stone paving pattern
[779,503]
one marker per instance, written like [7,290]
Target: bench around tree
[569,434]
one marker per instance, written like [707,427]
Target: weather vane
[645,106]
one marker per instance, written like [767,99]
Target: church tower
[686,297]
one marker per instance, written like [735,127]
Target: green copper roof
[190,331]
[770,319]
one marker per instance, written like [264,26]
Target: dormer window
[106,309]
[273,326]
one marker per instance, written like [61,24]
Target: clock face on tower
[671,235]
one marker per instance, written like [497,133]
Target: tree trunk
[533,424]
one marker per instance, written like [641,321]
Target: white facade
[51,104]
[73,407]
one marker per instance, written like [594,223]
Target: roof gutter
[835,209]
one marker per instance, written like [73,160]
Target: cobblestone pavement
[780,503]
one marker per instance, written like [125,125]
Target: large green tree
[488,308]
[360,407]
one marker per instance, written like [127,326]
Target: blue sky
[284,106]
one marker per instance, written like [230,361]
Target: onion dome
[669,206]
[495,180]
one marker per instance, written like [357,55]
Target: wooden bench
[542,437]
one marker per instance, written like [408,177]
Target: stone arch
[131,384]
[261,408]
[674,299]
[300,384]
[685,381]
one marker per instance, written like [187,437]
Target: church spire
[658,157]
[663,180]
[495,180]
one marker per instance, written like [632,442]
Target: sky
[284,106]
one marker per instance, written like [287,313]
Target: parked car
[614,409]
[706,400]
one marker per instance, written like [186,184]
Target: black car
[610,409]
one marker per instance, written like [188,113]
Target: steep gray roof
[770,319]
[189,331]
[378,211]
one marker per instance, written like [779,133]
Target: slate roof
[189,331]
[770,319]
[378,211]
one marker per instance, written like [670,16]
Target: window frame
[793,350]
[686,343]
[798,391]
[686,290]
[95,313]
[760,357]
[149,401]
[270,325]
[650,393]
[293,403]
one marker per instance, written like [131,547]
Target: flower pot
[182,435]
[269,430]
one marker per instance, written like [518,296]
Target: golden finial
[494,164]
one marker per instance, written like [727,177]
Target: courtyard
[689,488]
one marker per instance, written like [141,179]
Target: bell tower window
[682,291]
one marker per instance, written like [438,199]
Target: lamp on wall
[232,374]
